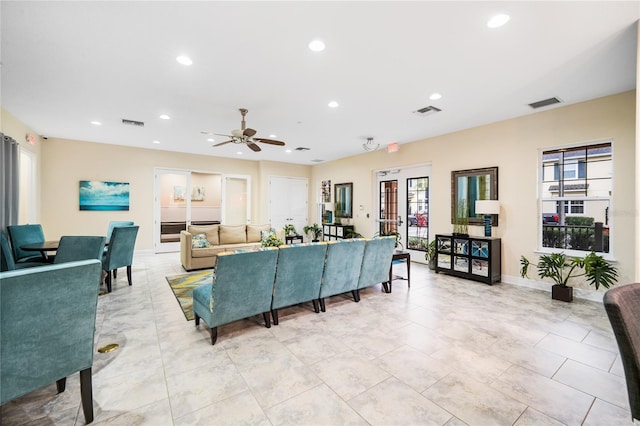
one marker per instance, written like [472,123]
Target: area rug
[183,285]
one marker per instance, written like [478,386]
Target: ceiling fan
[246,136]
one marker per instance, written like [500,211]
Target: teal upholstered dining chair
[21,235]
[242,286]
[47,325]
[298,276]
[120,251]
[376,262]
[115,223]
[7,263]
[72,248]
[341,269]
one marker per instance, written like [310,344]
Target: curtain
[9,189]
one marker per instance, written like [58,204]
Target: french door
[404,208]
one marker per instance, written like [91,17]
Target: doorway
[403,196]
[288,202]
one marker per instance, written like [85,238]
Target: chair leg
[108,281]
[86,392]
[214,335]
[196,319]
[274,314]
[115,274]
[322,307]
[129,274]
[356,295]
[61,384]
[386,288]
[315,306]
[267,320]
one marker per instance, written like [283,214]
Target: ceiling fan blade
[269,141]
[249,132]
[223,143]
[253,146]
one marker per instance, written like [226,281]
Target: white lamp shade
[487,206]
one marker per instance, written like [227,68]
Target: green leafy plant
[289,229]
[559,268]
[314,230]
[272,241]
[430,254]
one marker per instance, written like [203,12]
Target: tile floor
[445,352]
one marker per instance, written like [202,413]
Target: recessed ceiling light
[498,20]
[316,45]
[333,104]
[211,140]
[165,117]
[239,152]
[288,151]
[184,60]
[273,136]
[156,142]
[96,123]
[435,96]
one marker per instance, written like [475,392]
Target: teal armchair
[115,223]
[21,235]
[7,263]
[376,262]
[298,276]
[341,269]
[72,248]
[47,324]
[242,287]
[120,252]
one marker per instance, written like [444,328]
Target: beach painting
[104,196]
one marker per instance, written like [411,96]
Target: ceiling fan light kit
[246,136]
[370,146]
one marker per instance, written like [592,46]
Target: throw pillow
[200,241]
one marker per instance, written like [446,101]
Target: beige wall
[513,146]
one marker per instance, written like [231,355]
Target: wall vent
[428,110]
[302,148]
[132,123]
[545,102]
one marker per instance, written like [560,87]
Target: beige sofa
[221,238]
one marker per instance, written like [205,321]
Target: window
[575,190]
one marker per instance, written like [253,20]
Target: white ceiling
[65,64]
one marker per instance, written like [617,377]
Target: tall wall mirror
[344,200]
[467,186]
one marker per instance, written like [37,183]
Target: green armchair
[47,324]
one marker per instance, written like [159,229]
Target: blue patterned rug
[183,285]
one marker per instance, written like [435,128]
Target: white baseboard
[578,293]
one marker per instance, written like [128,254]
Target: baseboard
[578,293]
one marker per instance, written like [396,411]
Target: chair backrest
[6,255]
[24,234]
[242,285]
[115,223]
[120,250]
[623,308]
[342,266]
[376,261]
[73,248]
[59,299]
[299,274]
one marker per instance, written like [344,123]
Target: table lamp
[487,208]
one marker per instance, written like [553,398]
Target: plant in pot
[315,231]
[559,268]
[272,240]
[430,255]
[290,230]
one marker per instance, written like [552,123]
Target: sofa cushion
[254,232]
[200,241]
[230,234]
[211,231]
[210,251]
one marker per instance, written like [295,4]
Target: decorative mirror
[467,186]
[344,200]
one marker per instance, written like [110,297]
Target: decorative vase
[561,292]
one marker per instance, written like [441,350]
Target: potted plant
[430,255]
[315,231]
[289,229]
[560,269]
[272,241]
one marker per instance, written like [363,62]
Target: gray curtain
[9,189]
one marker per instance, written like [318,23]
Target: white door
[403,196]
[288,202]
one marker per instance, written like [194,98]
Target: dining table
[44,247]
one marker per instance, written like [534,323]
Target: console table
[474,258]
[291,239]
[335,231]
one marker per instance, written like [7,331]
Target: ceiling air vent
[132,123]
[302,148]
[428,110]
[545,102]
[317,161]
